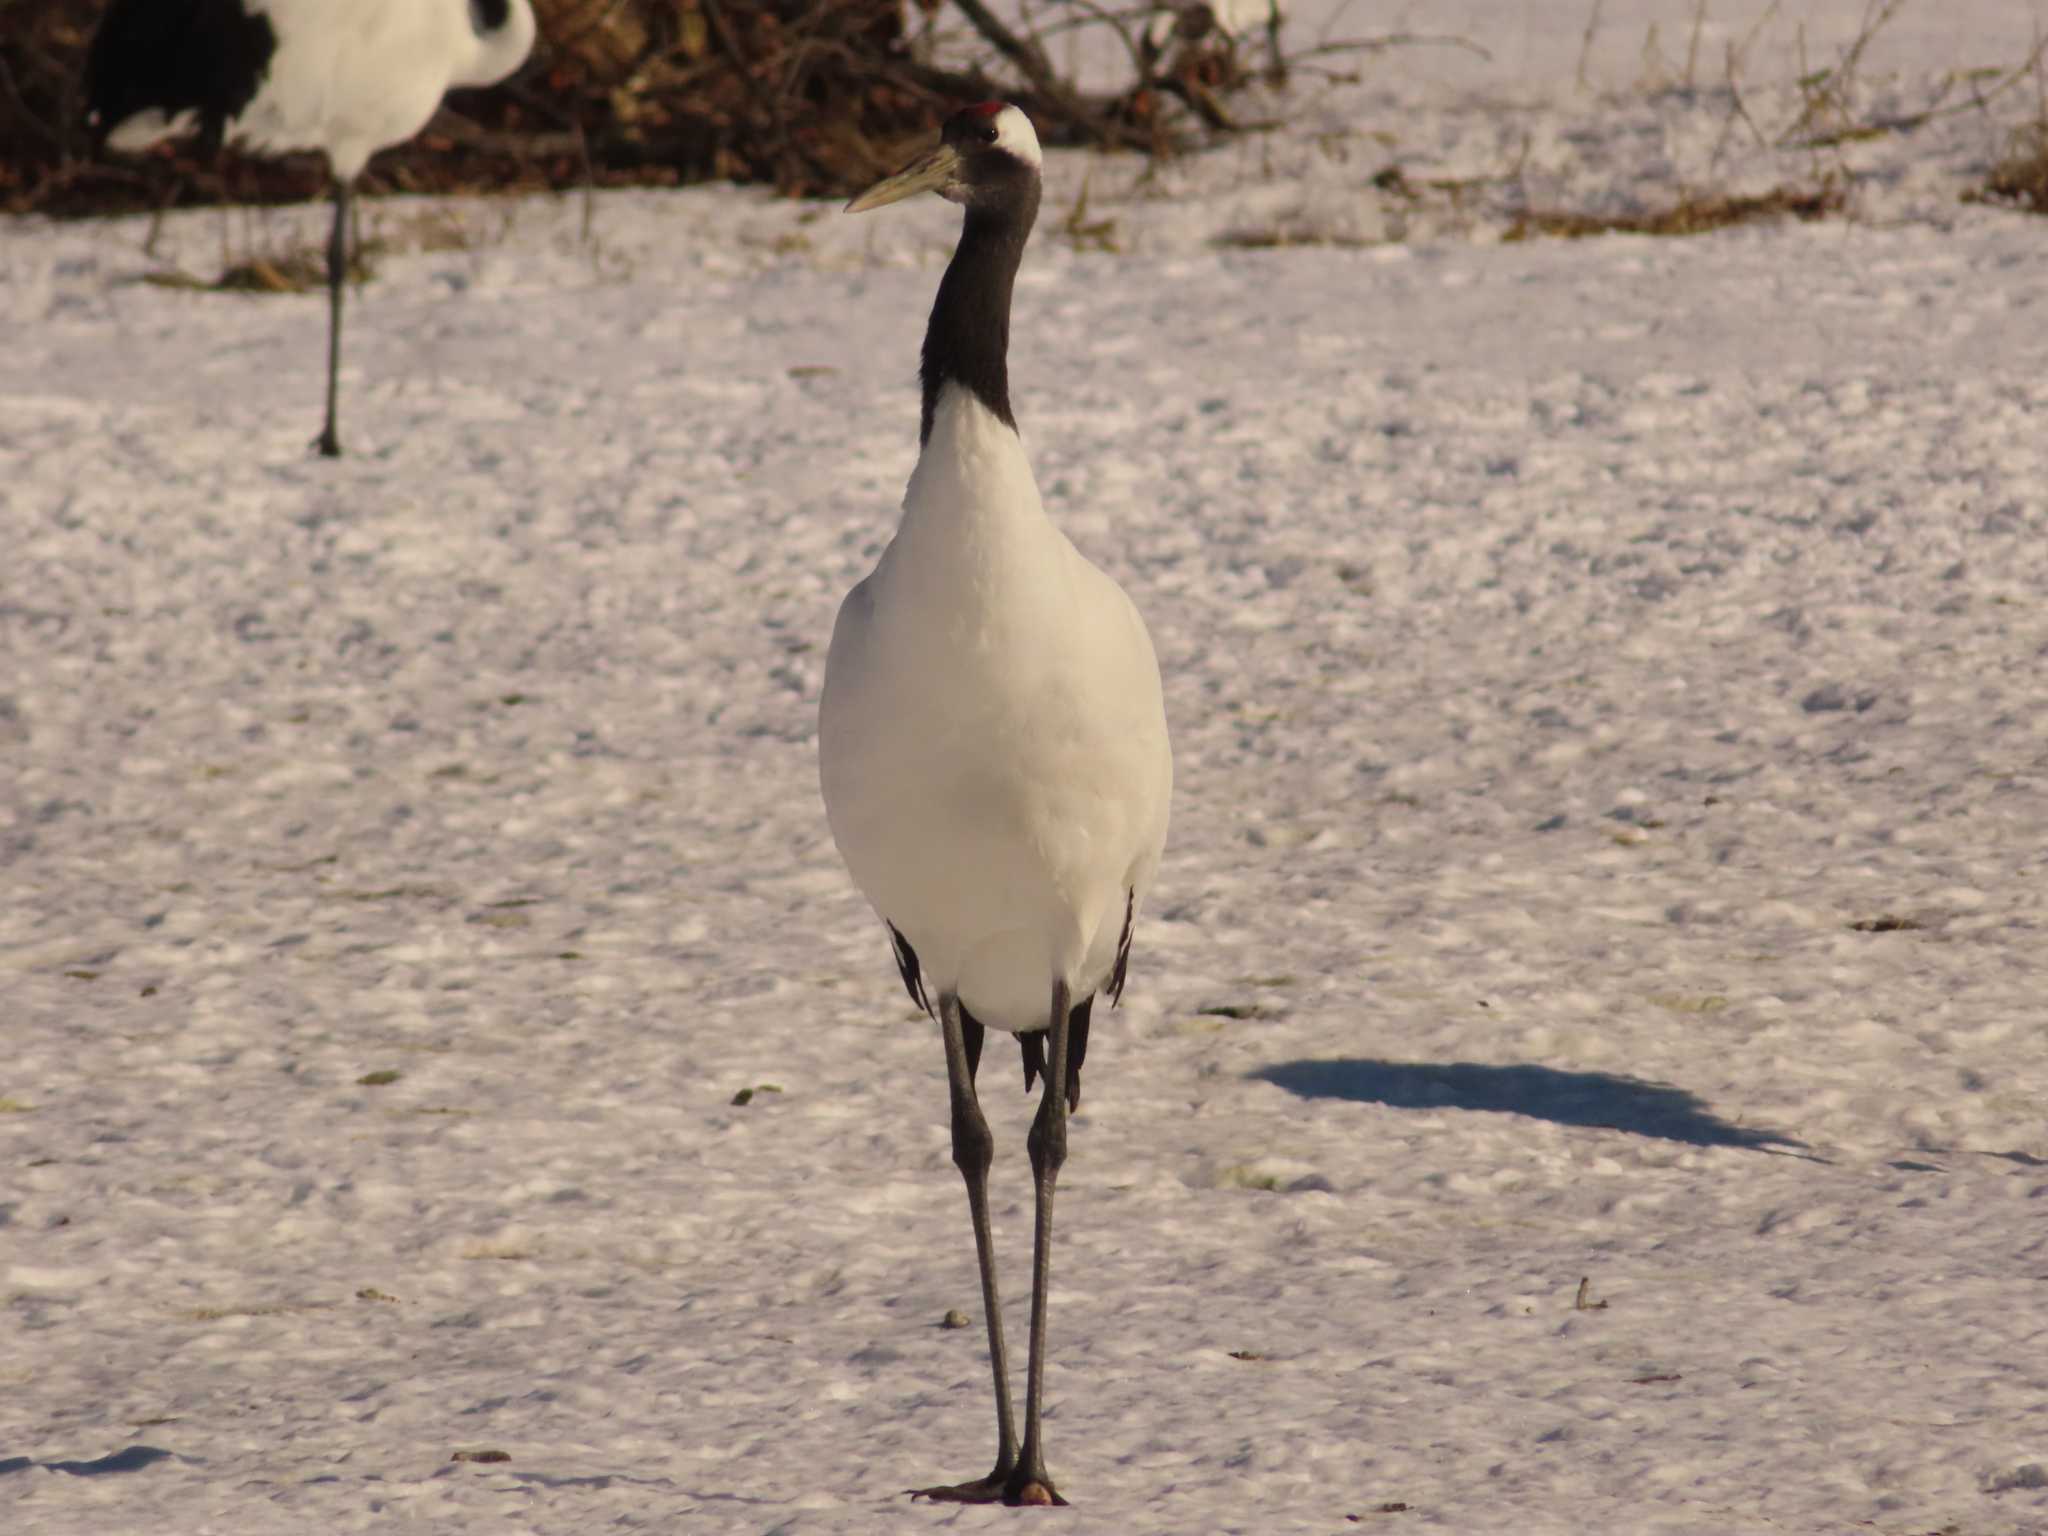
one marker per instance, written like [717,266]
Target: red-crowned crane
[348,77]
[992,739]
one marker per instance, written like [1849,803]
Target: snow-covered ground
[1611,845]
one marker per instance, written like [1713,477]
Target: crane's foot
[327,444]
[1028,1482]
[999,1487]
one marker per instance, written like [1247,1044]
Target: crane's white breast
[992,736]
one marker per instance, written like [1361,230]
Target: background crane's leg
[329,441]
[973,1152]
[1029,1483]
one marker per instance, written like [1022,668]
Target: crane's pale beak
[934,172]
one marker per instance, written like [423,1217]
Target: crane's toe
[986,1490]
[1001,1486]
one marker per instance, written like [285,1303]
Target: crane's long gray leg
[329,441]
[1029,1483]
[973,1152]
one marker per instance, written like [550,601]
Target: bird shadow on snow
[133,1459]
[1597,1099]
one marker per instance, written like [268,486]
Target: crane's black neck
[968,340]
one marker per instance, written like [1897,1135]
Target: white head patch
[1015,134]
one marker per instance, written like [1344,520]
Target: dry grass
[298,271]
[2020,178]
[1288,236]
[1692,214]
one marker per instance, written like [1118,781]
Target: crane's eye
[988,133]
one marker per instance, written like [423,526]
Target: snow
[1568,646]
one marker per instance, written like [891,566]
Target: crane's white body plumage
[353,76]
[993,744]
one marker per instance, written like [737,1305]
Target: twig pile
[813,97]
